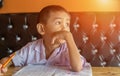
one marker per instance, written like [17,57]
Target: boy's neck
[49,48]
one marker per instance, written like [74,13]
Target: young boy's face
[58,21]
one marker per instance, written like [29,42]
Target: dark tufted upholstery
[97,35]
[15,31]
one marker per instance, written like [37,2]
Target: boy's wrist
[68,36]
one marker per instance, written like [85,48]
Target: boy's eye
[67,24]
[58,23]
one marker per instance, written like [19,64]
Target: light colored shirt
[34,53]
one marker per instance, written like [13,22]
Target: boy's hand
[60,37]
[2,70]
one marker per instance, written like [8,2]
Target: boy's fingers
[1,70]
[53,40]
[1,74]
[4,70]
[61,41]
[0,65]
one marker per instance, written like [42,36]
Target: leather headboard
[97,34]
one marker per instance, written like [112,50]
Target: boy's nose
[65,27]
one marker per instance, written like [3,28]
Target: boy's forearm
[74,54]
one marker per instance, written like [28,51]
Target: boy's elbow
[77,69]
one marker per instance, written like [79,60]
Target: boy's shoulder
[34,43]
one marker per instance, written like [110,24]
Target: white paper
[42,70]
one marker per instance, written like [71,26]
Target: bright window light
[104,1]
[106,4]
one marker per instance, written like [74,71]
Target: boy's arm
[74,55]
[75,59]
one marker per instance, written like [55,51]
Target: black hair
[45,12]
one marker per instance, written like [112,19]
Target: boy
[57,46]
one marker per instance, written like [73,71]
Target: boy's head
[53,18]
[46,11]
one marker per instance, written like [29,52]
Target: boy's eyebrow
[60,18]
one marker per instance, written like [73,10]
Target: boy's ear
[40,28]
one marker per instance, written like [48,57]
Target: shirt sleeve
[83,60]
[21,56]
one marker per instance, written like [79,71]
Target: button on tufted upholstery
[97,35]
